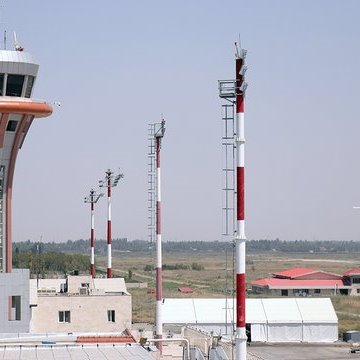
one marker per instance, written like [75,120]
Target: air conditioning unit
[83,291]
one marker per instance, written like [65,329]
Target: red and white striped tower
[109,241]
[240,238]
[159,134]
[92,199]
[109,182]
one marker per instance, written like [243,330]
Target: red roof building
[186,290]
[308,281]
[352,272]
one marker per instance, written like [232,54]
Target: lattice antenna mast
[151,183]
[108,182]
[159,131]
[92,199]
[234,92]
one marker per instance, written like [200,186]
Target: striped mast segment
[158,135]
[240,238]
[109,182]
[92,199]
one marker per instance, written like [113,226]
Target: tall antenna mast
[159,131]
[92,199]
[235,90]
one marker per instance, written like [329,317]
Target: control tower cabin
[17,110]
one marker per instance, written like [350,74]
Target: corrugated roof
[354,271]
[298,284]
[89,352]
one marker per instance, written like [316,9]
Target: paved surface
[301,352]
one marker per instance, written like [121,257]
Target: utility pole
[92,199]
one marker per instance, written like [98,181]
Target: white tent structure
[269,320]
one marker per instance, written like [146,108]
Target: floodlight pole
[92,199]
[158,135]
[229,90]
[109,182]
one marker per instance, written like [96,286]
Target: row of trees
[177,266]
[43,263]
[82,246]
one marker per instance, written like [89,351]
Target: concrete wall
[88,313]
[15,283]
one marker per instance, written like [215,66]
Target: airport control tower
[18,72]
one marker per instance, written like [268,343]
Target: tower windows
[29,86]
[1,84]
[11,126]
[14,85]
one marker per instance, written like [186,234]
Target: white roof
[110,285]
[73,352]
[255,312]
[269,310]
[317,310]
[281,311]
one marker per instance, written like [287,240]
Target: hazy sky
[115,66]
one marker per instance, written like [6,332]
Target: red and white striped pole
[109,182]
[92,238]
[92,199]
[240,239]
[109,241]
[158,323]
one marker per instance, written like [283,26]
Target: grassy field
[215,273]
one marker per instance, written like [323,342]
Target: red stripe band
[240,104]
[240,300]
[109,232]
[157,152]
[158,284]
[92,238]
[158,217]
[240,196]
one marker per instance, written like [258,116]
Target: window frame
[111,316]
[65,315]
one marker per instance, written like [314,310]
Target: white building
[268,320]
[14,301]
[79,304]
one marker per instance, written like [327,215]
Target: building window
[15,308]
[356,280]
[317,291]
[14,85]
[111,315]
[284,292]
[11,126]
[29,86]
[64,316]
[358,291]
